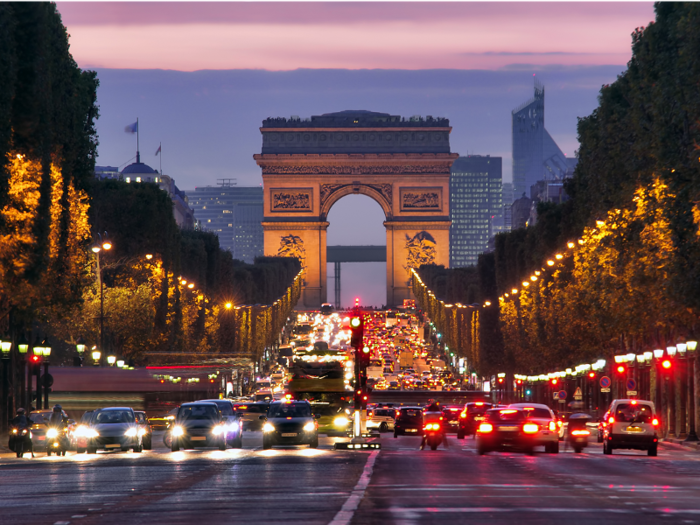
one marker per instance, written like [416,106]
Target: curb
[693,445]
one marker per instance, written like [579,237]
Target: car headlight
[51,433]
[233,427]
[132,432]
[217,430]
[341,421]
[268,427]
[142,431]
[177,431]
[309,427]
[91,433]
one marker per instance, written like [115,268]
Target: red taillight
[530,428]
[611,420]
[432,426]
[580,433]
[552,426]
[655,422]
[463,415]
[485,428]
[560,424]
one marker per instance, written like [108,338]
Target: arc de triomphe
[404,165]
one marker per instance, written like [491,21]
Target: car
[79,435]
[631,424]
[249,414]
[471,416]
[289,423]
[507,428]
[234,430]
[40,424]
[451,415]
[163,421]
[332,419]
[113,428]
[144,429]
[547,434]
[601,426]
[198,424]
[408,421]
[381,419]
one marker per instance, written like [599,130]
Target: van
[631,424]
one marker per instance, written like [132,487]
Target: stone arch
[381,195]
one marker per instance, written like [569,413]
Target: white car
[381,419]
[547,433]
[631,424]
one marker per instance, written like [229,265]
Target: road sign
[578,395]
[631,384]
[605,382]
[47,380]
[631,393]
[605,390]
[561,394]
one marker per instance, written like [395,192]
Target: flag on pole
[132,128]
[158,151]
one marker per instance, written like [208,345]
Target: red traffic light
[591,375]
[620,369]
[555,381]
[666,364]
[357,301]
[35,358]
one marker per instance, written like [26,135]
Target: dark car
[451,415]
[513,428]
[232,419]
[79,436]
[40,425]
[113,428]
[289,423]
[409,421]
[144,429]
[198,425]
[470,417]
[250,413]
[163,421]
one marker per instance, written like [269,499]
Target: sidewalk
[693,445]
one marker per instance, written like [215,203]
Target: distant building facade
[535,154]
[234,213]
[139,172]
[476,206]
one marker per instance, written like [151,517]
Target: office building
[535,154]
[475,205]
[234,213]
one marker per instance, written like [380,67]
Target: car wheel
[174,446]
[481,450]
[314,443]
[383,427]
[238,442]
[396,434]
[63,452]
[266,444]
[600,437]
[222,444]
[168,440]
[555,448]
[48,452]
[147,445]
[138,449]
[607,450]
[653,451]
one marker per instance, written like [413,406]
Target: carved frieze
[384,189]
[286,169]
[421,199]
[292,199]
[328,189]
[421,249]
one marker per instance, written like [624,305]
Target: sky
[201,77]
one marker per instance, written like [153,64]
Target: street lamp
[111,359]
[120,363]
[80,346]
[46,351]
[690,371]
[99,245]
[96,354]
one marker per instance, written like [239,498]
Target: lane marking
[346,513]
[414,512]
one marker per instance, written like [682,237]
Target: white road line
[346,513]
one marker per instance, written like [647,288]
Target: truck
[375,372]
[406,359]
[420,366]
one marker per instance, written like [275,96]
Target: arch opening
[357,220]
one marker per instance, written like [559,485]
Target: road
[399,484]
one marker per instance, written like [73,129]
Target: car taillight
[611,420]
[580,433]
[485,428]
[432,426]
[655,422]
[463,415]
[530,428]
[560,424]
[552,426]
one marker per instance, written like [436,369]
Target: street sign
[578,395]
[47,380]
[561,395]
[605,390]
[631,393]
[605,382]
[631,384]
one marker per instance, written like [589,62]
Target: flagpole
[160,157]
[138,155]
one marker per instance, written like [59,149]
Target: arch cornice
[332,193]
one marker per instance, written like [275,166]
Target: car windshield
[289,410]
[141,418]
[188,413]
[114,416]
[225,407]
[253,409]
[411,413]
[37,417]
[384,412]
[537,412]
[505,415]
[637,413]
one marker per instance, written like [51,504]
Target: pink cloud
[284,36]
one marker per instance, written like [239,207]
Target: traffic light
[356,331]
[555,381]
[620,369]
[361,398]
[363,355]
[666,364]
[591,375]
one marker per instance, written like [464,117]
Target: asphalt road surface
[399,484]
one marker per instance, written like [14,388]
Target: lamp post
[692,436]
[674,395]
[38,351]
[80,348]
[22,347]
[111,359]
[96,354]
[46,379]
[5,347]
[97,248]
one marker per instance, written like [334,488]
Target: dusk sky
[202,76]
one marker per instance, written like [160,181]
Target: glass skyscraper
[475,202]
[535,154]
[234,213]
